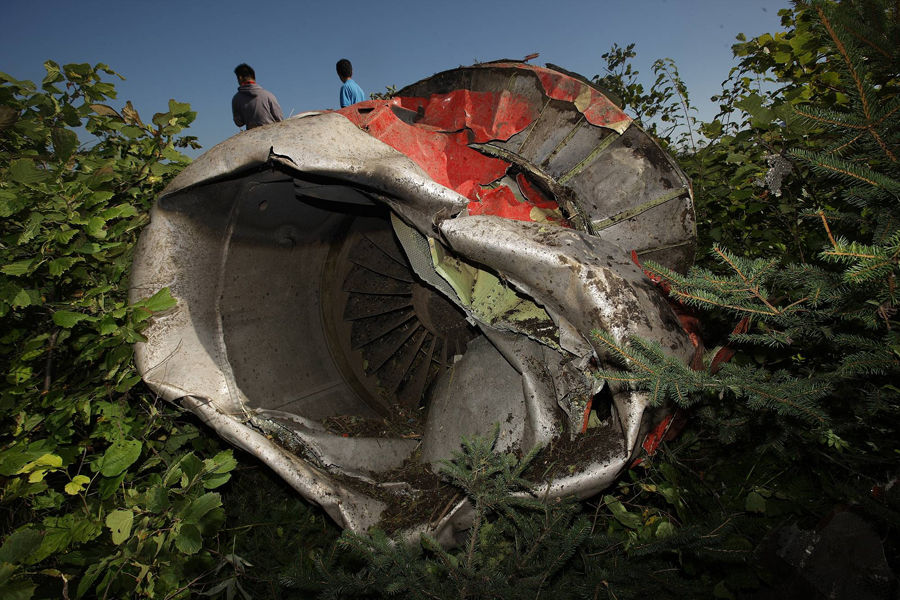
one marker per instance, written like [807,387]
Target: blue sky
[187,50]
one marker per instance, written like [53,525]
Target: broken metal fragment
[358,289]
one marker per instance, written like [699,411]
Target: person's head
[344,69]
[244,72]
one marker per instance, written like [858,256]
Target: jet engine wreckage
[433,264]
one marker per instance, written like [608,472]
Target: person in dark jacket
[252,105]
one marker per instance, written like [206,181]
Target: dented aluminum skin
[449,250]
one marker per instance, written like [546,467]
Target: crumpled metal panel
[444,253]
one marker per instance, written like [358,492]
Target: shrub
[104,491]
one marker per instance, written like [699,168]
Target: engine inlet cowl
[358,289]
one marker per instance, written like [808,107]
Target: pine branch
[668,380]
[843,169]
[823,116]
[772,339]
[745,292]
[869,363]
[826,22]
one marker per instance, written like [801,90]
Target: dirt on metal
[565,456]
[402,423]
[419,496]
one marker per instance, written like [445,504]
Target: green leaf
[157,499]
[54,75]
[89,577]
[755,503]
[17,590]
[222,462]
[121,210]
[161,300]
[77,485]
[99,197]
[752,104]
[217,469]
[665,529]
[68,318]
[162,119]
[77,71]
[62,531]
[782,57]
[120,456]
[108,485]
[185,469]
[189,539]
[670,493]
[108,325]
[65,141]
[127,383]
[31,230]
[202,505]
[19,374]
[64,236]
[628,519]
[8,117]
[6,571]
[23,170]
[95,227]
[23,298]
[88,248]
[13,459]
[42,463]
[18,268]
[119,522]
[132,132]
[213,481]
[58,266]
[141,314]
[711,130]
[179,108]
[20,544]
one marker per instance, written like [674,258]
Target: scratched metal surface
[302,256]
[612,174]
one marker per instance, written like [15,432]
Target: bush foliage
[104,492]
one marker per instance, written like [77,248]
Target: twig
[446,508]
[48,368]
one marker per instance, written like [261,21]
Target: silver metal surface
[296,303]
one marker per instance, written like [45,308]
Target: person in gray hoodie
[252,105]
